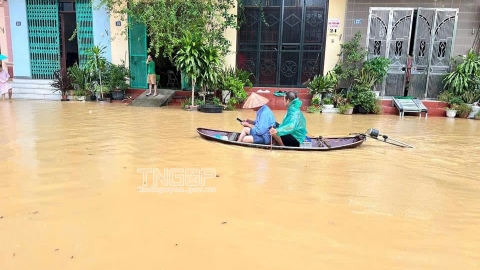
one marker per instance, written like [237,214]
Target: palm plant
[96,63]
[188,57]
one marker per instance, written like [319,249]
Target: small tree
[188,58]
[96,63]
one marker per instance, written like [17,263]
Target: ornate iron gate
[388,36]
[44,38]
[289,50]
[434,40]
[137,45]
[84,28]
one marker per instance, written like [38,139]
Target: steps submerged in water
[409,105]
[162,99]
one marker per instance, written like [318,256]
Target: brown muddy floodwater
[69,199]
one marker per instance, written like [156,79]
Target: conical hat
[255,101]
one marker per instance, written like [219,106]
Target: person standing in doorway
[408,73]
[4,86]
[152,77]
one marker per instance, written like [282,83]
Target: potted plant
[346,108]
[452,111]
[323,84]
[79,94]
[96,64]
[116,77]
[189,58]
[62,82]
[316,102]
[327,103]
[463,110]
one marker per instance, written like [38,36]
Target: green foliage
[364,97]
[313,109]
[96,64]
[353,55]
[344,108]
[316,101]
[80,77]
[169,20]
[62,81]
[234,81]
[366,79]
[116,76]
[322,84]
[327,101]
[378,67]
[198,60]
[464,81]
[463,110]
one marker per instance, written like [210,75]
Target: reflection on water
[69,177]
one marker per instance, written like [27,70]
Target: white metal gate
[389,34]
[434,40]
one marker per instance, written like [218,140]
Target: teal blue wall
[101,29]
[20,48]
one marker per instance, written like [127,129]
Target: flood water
[69,200]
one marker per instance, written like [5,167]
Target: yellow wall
[3,35]
[231,35]
[119,40]
[337,10]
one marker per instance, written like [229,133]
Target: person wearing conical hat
[257,131]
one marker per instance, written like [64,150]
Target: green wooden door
[137,45]
[44,38]
[84,29]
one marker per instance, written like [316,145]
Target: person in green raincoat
[293,130]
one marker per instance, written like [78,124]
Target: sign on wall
[333,25]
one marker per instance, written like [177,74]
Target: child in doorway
[152,78]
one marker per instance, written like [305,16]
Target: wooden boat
[317,144]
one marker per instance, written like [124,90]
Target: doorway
[68,23]
[164,68]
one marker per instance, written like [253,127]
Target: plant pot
[328,106]
[117,95]
[451,113]
[349,111]
[80,98]
[211,108]
[360,109]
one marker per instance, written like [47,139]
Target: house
[301,39]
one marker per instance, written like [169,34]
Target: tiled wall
[468,17]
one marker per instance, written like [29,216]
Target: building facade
[301,38]
[6,37]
